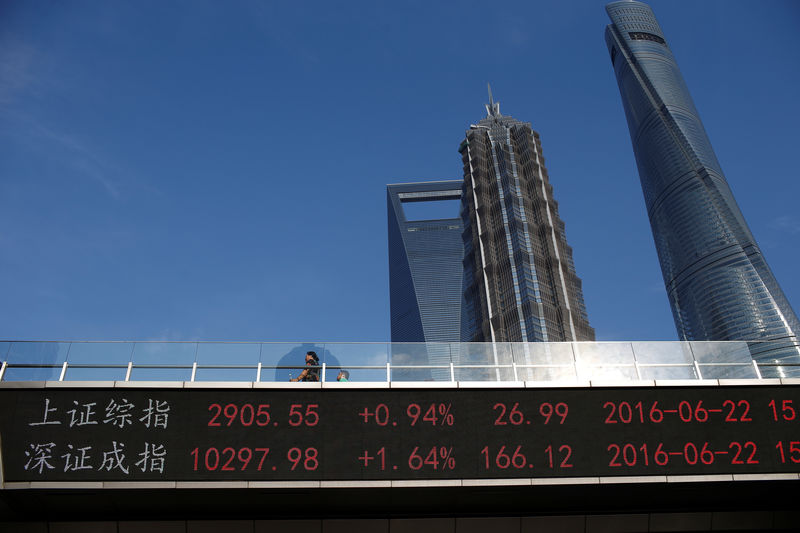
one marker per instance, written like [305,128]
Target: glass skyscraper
[425,265]
[520,281]
[718,282]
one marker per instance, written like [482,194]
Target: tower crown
[492,108]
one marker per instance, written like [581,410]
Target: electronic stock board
[284,434]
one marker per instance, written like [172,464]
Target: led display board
[82,434]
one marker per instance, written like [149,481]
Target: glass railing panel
[786,350]
[607,372]
[721,352]
[353,357]
[420,361]
[100,353]
[161,373]
[603,353]
[668,372]
[544,361]
[208,373]
[482,361]
[770,370]
[228,353]
[543,353]
[654,353]
[38,353]
[4,347]
[95,373]
[164,353]
[32,374]
[728,371]
[547,373]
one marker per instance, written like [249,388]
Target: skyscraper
[520,281]
[425,268]
[718,282]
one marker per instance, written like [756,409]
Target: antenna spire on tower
[493,109]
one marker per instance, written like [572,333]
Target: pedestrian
[311,370]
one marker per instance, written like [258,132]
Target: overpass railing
[387,362]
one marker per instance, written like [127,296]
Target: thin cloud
[787,223]
[16,61]
[72,151]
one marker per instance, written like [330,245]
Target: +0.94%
[435,414]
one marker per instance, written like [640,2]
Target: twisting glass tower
[718,282]
[520,281]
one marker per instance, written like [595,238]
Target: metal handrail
[583,358]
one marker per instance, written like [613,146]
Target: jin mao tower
[520,281]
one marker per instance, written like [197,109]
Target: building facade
[425,265]
[519,276]
[717,279]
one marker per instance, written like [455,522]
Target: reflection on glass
[467,356]
[778,370]
[100,353]
[226,374]
[668,372]
[721,352]
[161,374]
[357,375]
[596,353]
[543,353]
[38,353]
[419,358]
[273,352]
[622,373]
[728,371]
[164,353]
[547,373]
[350,356]
[663,352]
[75,373]
[228,353]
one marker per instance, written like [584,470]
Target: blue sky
[217,170]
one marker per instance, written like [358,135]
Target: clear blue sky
[216,170]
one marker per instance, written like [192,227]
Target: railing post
[194,370]
[575,361]
[63,371]
[388,372]
[755,366]
[323,372]
[452,372]
[258,375]
[514,366]
[128,372]
[3,369]
[697,369]
[635,362]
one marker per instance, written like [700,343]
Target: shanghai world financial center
[511,276]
